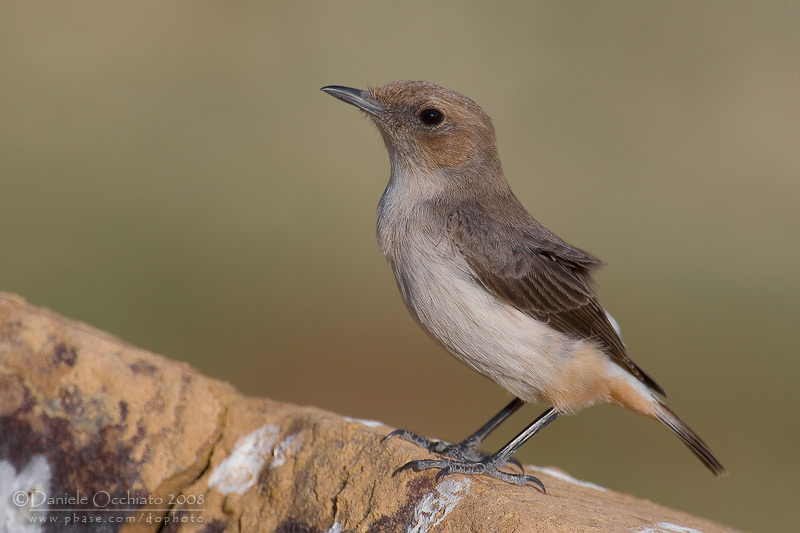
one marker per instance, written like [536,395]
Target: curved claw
[420,464]
[411,465]
[516,463]
[535,481]
[410,436]
[394,433]
[445,471]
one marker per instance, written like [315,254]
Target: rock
[98,435]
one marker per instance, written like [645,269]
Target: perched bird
[497,289]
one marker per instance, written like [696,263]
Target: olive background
[170,172]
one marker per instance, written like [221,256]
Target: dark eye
[431,117]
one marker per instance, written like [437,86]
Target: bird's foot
[460,452]
[487,467]
[465,452]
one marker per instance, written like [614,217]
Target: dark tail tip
[691,440]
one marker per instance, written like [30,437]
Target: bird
[489,283]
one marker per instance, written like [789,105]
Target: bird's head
[427,127]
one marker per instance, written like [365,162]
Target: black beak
[361,99]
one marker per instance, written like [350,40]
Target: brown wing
[531,268]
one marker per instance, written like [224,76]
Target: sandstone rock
[97,435]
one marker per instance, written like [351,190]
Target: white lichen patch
[436,505]
[667,527]
[288,446]
[563,476]
[23,495]
[335,528]
[363,422]
[239,471]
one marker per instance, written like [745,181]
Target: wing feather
[529,267]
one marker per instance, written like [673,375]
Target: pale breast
[518,352]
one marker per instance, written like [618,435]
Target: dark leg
[490,466]
[473,441]
[466,450]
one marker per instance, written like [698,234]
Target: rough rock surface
[97,435]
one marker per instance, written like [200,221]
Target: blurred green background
[171,173]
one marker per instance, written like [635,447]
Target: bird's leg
[473,441]
[467,449]
[490,465]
